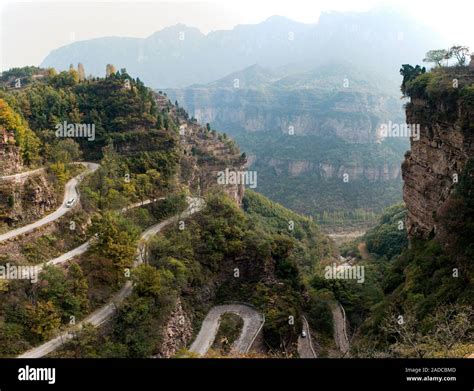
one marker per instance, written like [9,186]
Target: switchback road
[253,322]
[69,193]
[104,313]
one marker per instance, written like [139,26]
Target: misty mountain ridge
[180,55]
[325,78]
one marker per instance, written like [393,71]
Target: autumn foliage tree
[44,319]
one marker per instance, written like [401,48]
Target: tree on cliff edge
[460,53]
[436,56]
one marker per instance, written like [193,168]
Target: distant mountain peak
[176,29]
[278,19]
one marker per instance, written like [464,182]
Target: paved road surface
[141,203]
[305,345]
[104,313]
[253,320]
[70,192]
[340,333]
[96,319]
[68,256]
[85,246]
[21,175]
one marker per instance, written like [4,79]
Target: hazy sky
[30,30]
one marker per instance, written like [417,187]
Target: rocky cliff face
[205,156]
[432,167]
[10,160]
[307,129]
[25,200]
[177,332]
[351,116]
[295,168]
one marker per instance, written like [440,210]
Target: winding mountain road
[69,255]
[340,332]
[305,344]
[96,319]
[69,193]
[141,203]
[85,246]
[104,313]
[253,322]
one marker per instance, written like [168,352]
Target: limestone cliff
[442,104]
[338,100]
[308,131]
[204,155]
[209,157]
[356,171]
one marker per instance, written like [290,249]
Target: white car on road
[70,203]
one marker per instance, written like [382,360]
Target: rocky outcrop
[432,167]
[205,158]
[212,158]
[10,160]
[26,199]
[177,332]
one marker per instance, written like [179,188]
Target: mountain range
[304,101]
[180,55]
